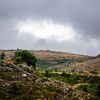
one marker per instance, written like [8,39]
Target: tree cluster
[2,55]
[25,56]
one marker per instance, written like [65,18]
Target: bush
[15,89]
[2,56]
[46,74]
[92,89]
[25,56]
[65,74]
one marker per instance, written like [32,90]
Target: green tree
[15,89]
[46,74]
[25,56]
[2,56]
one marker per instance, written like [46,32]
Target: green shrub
[47,74]
[65,74]
[25,56]
[92,89]
[2,56]
[39,74]
[15,89]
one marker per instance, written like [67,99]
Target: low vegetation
[90,88]
[2,55]
[20,80]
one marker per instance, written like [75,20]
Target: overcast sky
[63,25]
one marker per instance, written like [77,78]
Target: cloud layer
[65,25]
[48,30]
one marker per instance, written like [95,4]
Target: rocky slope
[92,65]
[68,62]
[47,58]
[20,82]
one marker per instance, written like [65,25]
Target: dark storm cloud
[83,15]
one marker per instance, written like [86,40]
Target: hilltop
[47,58]
[62,61]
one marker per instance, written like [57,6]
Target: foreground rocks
[10,67]
[41,89]
[22,79]
[17,72]
[65,91]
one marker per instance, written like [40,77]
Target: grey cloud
[83,15]
[79,46]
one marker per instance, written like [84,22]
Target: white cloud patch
[47,29]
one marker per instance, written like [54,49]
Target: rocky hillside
[53,60]
[14,71]
[47,54]
[92,65]
[47,58]
[20,82]
[10,67]
[51,55]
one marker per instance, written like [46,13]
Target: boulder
[24,75]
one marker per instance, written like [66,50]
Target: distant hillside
[47,58]
[92,65]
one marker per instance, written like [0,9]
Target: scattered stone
[1,80]
[24,75]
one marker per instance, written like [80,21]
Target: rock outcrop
[10,67]
[17,72]
[90,66]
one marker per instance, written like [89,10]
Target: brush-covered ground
[21,82]
[58,76]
